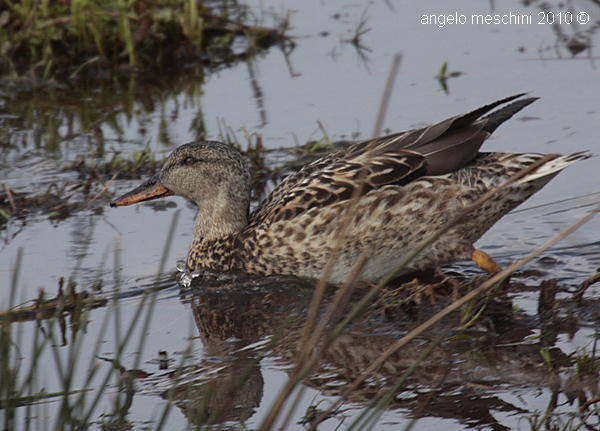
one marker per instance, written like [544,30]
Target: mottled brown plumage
[376,200]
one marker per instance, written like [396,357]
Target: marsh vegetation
[96,331]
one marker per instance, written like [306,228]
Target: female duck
[365,207]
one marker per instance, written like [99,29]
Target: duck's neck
[221,217]
[216,226]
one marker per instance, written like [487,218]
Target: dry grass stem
[578,294]
[456,305]
[322,284]
[306,362]
[426,243]
[10,198]
[103,189]
[385,100]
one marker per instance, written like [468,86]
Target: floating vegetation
[443,76]
[70,302]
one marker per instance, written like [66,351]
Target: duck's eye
[188,161]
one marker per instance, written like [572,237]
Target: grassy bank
[60,40]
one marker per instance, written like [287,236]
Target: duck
[359,211]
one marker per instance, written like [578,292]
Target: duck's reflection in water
[462,378]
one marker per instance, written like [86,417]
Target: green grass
[60,40]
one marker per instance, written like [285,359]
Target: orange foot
[485,262]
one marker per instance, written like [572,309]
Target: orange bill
[151,189]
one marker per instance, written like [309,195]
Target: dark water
[325,85]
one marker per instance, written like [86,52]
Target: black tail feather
[470,117]
[495,119]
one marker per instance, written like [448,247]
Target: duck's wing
[450,144]
[399,158]
[336,178]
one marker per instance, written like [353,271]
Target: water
[325,85]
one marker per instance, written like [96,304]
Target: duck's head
[212,174]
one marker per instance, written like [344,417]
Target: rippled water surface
[326,85]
